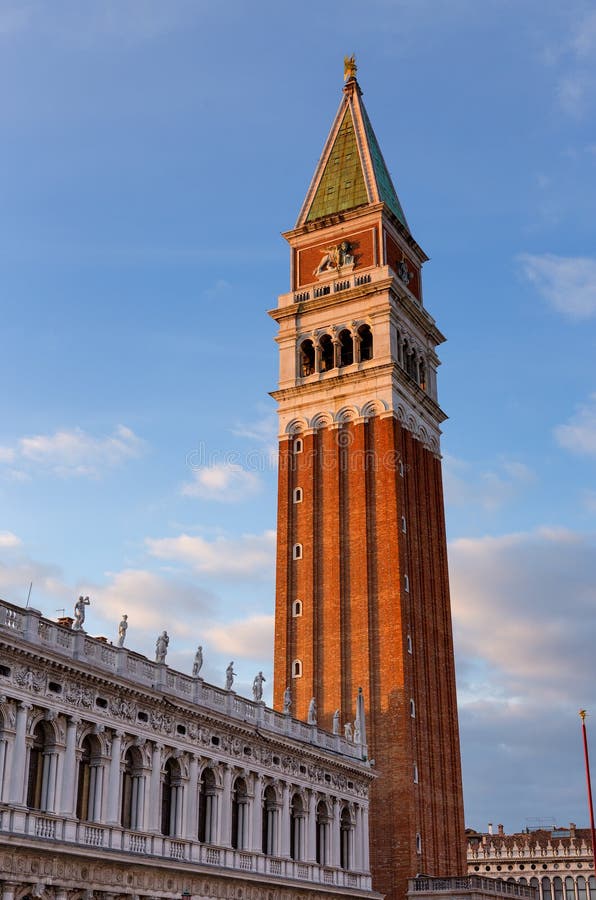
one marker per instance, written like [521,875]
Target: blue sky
[150,155]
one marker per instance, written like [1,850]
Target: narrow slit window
[415,773]
[404,526]
[412,709]
[406,584]
[297,668]
[298,445]
[298,495]
[409,643]
[418,843]
[297,608]
[297,551]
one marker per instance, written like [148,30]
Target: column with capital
[256,839]
[9,889]
[284,823]
[153,821]
[335,828]
[357,842]
[113,817]
[190,823]
[67,800]
[365,841]
[225,818]
[16,788]
[311,828]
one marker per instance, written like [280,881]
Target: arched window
[366,343]
[90,781]
[582,893]
[521,880]
[546,889]
[404,526]
[171,798]
[592,887]
[131,814]
[297,608]
[327,353]
[558,888]
[569,888]
[41,779]
[409,643]
[415,773]
[297,819]
[298,445]
[418,842]
[406,583]
[346,837]
[306,356]
[270,814]
[346,348]
[297,669]
[240,815]
[323,821]
[298,495]
[207,807]
[422,373]
[412,709]
[297,551]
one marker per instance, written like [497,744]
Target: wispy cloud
[223,482]
[249,556]
[250,638]
[488,486]
[8,539]
[579,434]
[568,284]
[71,453]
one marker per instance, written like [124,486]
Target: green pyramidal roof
[351,171]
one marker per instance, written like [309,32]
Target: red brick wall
[394,256]
[353,632]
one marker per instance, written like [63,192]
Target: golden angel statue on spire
[350,67]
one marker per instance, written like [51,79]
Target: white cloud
[250,556]
[224,482]
[250,638]
[72,452]
[579,434]
[567,283]
[151,601]
[524,609]
[8,539]
[490,488]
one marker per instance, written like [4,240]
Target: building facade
[557,862]
[362,598]
[120,777]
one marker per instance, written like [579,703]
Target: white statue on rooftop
[79,612]
[312,712]
[122,629]
[230,676]
[287,701]
[198,663]
[257,687]
[161,647]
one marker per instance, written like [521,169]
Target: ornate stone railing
[423,885]
[57,830]
[141,672]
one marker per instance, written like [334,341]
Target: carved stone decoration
[32,680]
[403,272]
[335,258]
[78,695]
[123,709]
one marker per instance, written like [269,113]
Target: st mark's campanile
[362,582]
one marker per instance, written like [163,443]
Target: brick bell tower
[362,583]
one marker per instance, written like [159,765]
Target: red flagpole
[582,715]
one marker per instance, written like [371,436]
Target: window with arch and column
[306,358]
[90,780]
[270,822]
[133,790]
[346,348]
[365,340]
[323,825]
[43,763]
[172,795]
[327,353]
[240,815]
[558,888]
[297,827]
[207,832]
[346,839]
